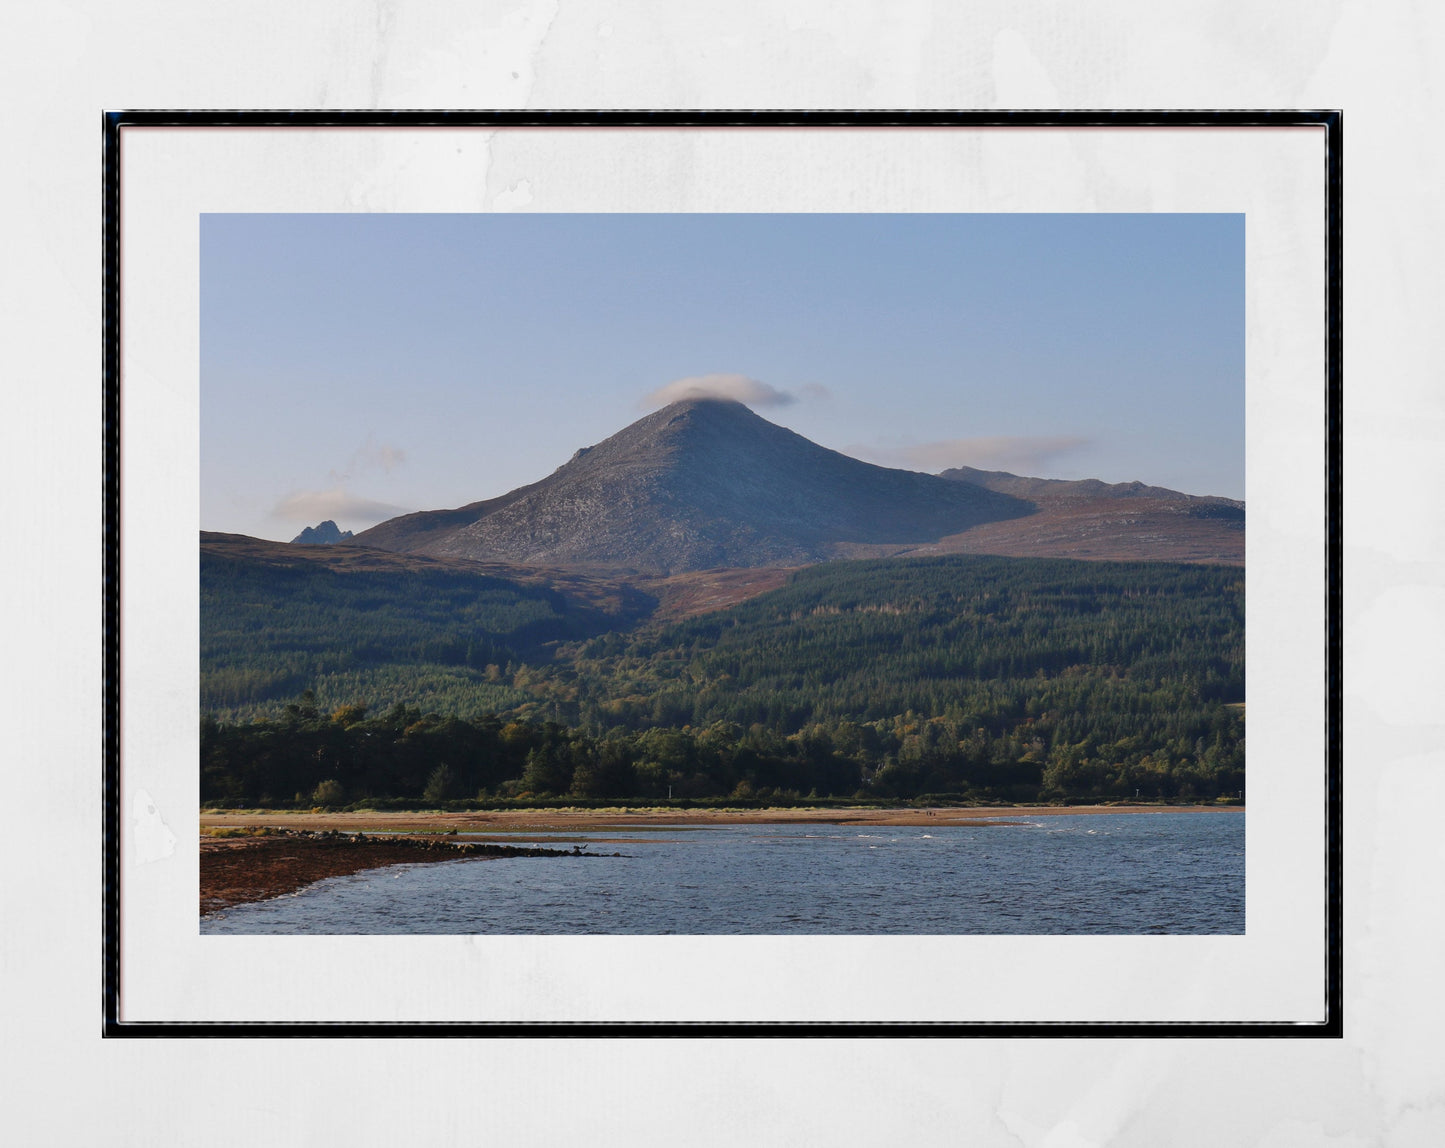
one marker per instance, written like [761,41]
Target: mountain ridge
[1050,489]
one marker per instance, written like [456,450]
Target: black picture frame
[113,124]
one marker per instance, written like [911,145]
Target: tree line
[349,757]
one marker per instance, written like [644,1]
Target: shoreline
[588,820]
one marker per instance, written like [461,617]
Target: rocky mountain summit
[699,485]
[323,534]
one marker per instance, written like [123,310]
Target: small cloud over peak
[737,388]
[337,504]
[1018,454]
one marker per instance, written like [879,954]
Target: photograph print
[722,574]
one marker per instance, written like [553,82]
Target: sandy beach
[562,821]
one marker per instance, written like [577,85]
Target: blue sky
[358,366]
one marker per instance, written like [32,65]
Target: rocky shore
[272,862]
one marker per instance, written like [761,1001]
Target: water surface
[1095,873]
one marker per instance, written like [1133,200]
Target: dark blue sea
[1136,873]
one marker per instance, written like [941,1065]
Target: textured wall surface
[1384,1083]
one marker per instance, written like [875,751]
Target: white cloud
[1022,454]
[347,510]
[738,388]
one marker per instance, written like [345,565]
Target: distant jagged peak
[323,534]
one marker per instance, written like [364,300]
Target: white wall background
[64,63]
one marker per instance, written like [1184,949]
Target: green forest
[954,678]
[271,630]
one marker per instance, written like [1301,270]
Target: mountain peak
[698,484]
[717,416]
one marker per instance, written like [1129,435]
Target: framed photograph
[723,574]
